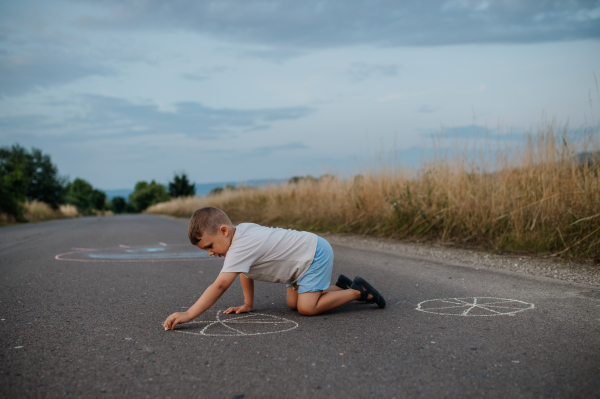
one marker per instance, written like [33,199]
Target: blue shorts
[318,275]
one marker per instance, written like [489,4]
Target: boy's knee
[306,311]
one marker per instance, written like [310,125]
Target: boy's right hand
[239,309]
[176,318]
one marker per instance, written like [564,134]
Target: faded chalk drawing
[235,325]
[474,306]
[131,253]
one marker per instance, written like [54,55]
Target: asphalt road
[92,326]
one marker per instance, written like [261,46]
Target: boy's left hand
[239,309]
[176,318]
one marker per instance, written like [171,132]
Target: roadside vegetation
[147,194]
[31,190]
[540,197]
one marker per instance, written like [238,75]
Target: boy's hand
[239,309]
[176,318]
[208,298]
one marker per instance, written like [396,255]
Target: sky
[122,91]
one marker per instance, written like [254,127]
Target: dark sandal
[361,285]
[343,282]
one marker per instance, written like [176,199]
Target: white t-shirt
[270,254]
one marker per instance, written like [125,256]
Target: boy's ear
[224,230]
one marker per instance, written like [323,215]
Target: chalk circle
[140,253]
[474,306]
[238,325]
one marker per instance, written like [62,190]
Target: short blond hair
[206,221]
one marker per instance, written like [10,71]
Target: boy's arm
[248,287]
[210,296]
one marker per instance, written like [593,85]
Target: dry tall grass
[37,211]
[540,198]
[69,211]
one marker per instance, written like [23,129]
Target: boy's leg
[292,297]
[314,303]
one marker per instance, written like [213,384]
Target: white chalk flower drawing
[474,306]
[243,324]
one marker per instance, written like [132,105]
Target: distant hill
[590,156]
[204,188]
[124,192]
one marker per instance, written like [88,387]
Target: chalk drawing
[244,324]
[130,253]
[474,306]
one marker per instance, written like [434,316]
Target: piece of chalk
[166,328]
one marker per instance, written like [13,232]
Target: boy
[299,259]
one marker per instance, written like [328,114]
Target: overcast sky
[122,91]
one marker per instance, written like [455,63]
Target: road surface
[82,303]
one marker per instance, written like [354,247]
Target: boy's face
[217,244]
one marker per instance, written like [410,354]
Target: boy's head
[210,229]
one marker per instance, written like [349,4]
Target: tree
[298,179]
[147,194]
[216,190]
[44,182]
[13,180]
[118,205]
[181,187]
[81,194]
[98,200]
[219,190]
[32,176]
[28,175]
[9,202]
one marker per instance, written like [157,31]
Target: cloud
[114,116]
[26,123]
[273,54]
[268,150]
[398,96]
[426,109]
[204,73]
[20,73]
[391,97]
[191,118]
[334,23]
[192,76]
[360,71]
[34,55]
[59,44]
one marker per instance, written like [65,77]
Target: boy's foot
[366,291]
[343,282]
